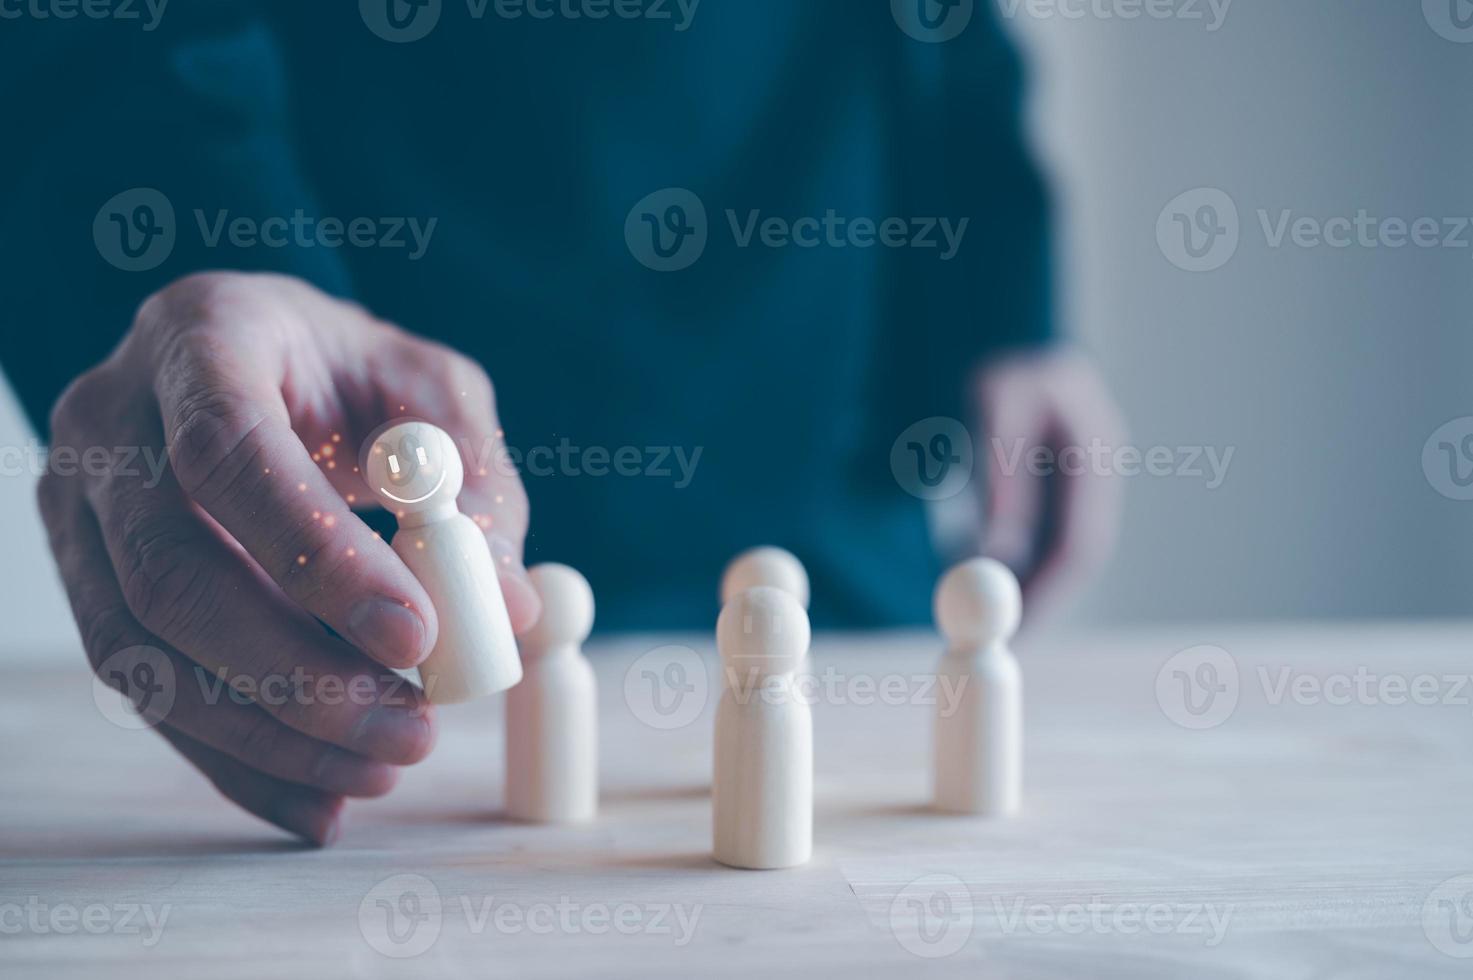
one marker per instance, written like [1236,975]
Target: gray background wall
[1326,370]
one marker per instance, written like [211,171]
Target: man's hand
[261,389]
[1055,530]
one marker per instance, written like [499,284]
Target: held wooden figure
[415,470]
[552,715]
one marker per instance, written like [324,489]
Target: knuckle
[87,400]
[260,738]
[210,442]
[169,592]
[193,300]
[107,629]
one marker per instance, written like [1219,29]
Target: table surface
[1296,835]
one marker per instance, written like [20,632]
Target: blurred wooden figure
[552,716]
[762,789]
[979,741]
[765,566]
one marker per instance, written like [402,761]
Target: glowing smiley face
[412,466]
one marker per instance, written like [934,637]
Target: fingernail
[394,734]
[308,819]
[388,631]
[522,600]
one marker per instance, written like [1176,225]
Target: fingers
[311,814]
[1016,419]
[211,716]
[186,585]
[1059,403]
[1088,503]
[235,455]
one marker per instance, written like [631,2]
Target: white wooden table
[1303,838]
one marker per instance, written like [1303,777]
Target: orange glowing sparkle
[352,498]
[336,437]
[420,545]
[329,521]
[302,487]
[301,559]
[352,552]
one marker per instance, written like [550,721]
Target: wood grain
[1313,833]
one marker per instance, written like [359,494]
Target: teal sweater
[667,230]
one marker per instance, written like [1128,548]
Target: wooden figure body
[552,715]
[415,470]
[762,787]
[978,766]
